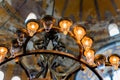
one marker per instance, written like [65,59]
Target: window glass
[1,75]
[15,78]
[113,29]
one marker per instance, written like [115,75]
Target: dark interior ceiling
[80,10]
[94,15]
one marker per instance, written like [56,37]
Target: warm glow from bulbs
[1,57]
[65,25]
[89,54]
[79,32]
[16,59]
[32,27]
[114,60]
[87,42]
[3,52]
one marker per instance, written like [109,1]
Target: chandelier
[47,31]
[52,33]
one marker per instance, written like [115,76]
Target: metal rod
[33,52]
[53,8]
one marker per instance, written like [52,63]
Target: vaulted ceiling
[79,10]
[94,15]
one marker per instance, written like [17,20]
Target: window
[113,29]
[116,76]
[16,78]
[1,75]
[31,15]
[107,78]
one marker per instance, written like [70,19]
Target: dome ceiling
[79,10]
[94,15]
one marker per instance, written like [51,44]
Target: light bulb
[87,42]
[32,27]
[114,60]
[79,32]
[65,25]
[89,54]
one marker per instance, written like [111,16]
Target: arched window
[1,75]
[116,75]
[31,15]
[16,78]
[113,29]
[107,78]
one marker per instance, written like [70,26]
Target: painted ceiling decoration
[94,15]
[80,10]
[90,14]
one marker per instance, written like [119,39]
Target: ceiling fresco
[80,10]
[93,15]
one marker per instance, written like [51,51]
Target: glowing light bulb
[65,25]
[3,52]
[114,60]
[87,42]
[79,32]
[32,27]
[89,54]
